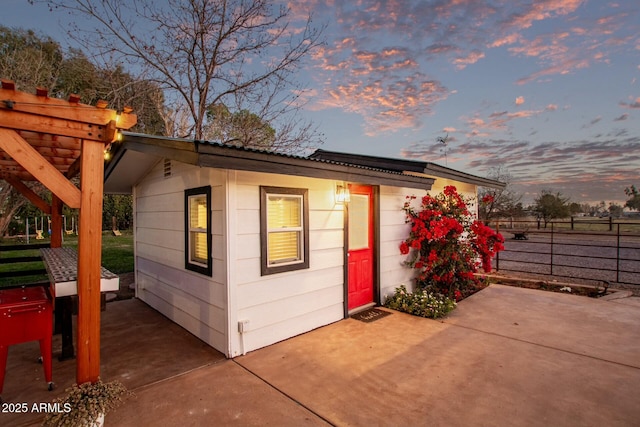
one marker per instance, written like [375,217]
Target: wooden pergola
[51,141]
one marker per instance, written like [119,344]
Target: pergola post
[89,261]
[56,221]
[43,139]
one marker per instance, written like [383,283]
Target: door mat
[370,315]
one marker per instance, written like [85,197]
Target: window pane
[359,221]
[284,211]
[284,229]
[284,247]
[198,212]
[199,249]
[197,229]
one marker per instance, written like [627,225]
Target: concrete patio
[505,356]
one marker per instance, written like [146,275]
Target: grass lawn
[117,256]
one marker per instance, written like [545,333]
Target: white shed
[245,248]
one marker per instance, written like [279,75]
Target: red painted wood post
[89,260]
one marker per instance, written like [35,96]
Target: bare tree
[499,202]
[241,53]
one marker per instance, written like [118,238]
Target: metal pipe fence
[561,251]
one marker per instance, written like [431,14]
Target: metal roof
[406,166]
[138,152]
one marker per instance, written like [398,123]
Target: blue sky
[546,89]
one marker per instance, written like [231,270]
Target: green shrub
[420,303]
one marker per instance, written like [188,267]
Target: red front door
[360,246]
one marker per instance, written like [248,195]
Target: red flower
[488,198]
[450,190]
[486,263]
[404,248]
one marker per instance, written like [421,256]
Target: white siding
[194,301]
[393,230]
[279,306]
[464,189]
[275,307]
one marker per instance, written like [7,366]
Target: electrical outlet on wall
[243,326]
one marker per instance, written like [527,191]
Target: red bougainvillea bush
[447,245]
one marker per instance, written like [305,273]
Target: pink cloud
[520,100]
[541,10]
[387,105]
[634,104]
[441,48]
[547,46]
[471,58]
[506,40]
[375,49]
[565,67]
[497,121]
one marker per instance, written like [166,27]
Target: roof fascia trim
[444,172]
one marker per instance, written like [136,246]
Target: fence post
[571,222]
[611,223]
[551,250]
[498,253]
[618,254]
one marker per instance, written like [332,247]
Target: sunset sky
[547,89]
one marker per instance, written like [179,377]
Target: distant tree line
[547,206]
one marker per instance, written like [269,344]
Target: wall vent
[167,168]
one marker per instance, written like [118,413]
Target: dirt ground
[552,283]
